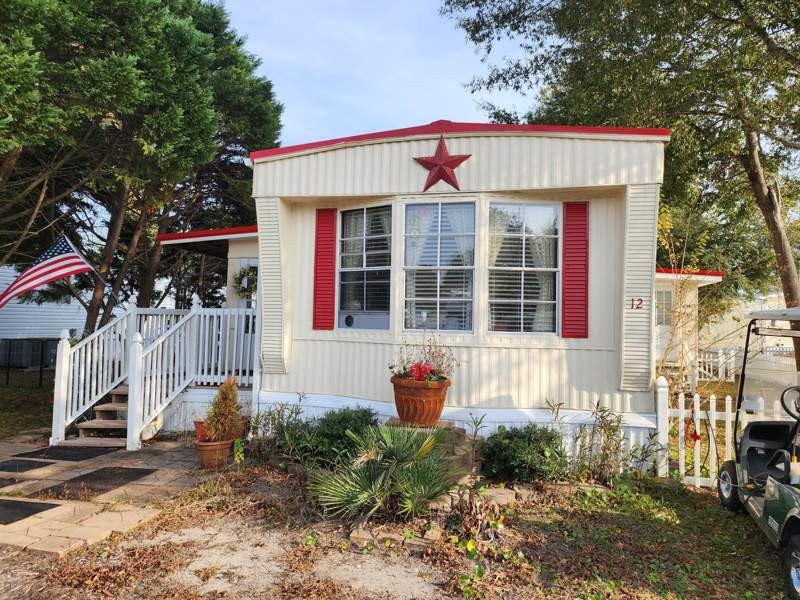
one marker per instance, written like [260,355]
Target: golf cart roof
[776,314]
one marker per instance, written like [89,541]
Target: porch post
[135,388]
[194,335]
[662,424]
[60,389]
[132,326]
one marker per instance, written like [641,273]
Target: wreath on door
[244,282]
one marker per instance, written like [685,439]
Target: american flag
[59,260]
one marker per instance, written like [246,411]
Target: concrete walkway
[71,524]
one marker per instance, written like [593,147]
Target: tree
[723,74]
[142,115]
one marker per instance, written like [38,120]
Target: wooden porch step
[120,390]
[96,442]
[103,424]
[111,407]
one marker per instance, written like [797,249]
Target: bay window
[439,265]
[365,261]
[523,267]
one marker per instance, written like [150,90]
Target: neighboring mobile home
[29,332]
[529,249]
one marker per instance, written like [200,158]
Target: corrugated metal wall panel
[497,163]
[639,261]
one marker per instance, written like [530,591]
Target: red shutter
[325,269]
[575,271]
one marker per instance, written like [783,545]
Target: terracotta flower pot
[201,435]
[419,403]
[213,455]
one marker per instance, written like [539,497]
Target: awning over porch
[211,242]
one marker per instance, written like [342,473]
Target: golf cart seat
[765,446]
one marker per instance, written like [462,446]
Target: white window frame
[439,202]
[558,269]
[340,269]
[662,309]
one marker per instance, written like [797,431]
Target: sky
[347,67]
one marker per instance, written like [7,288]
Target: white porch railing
[697,433]
[226,339]
[719,365]
[159,353]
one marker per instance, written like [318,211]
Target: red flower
[421,371]
[695,436]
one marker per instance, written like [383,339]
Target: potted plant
[222,425]
[420,376]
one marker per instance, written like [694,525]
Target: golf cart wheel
[791,568]
[727,487]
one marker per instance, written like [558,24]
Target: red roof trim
[670,271]
[443,127]
[202,233]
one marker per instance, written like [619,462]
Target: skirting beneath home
[637,427]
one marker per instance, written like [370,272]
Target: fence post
[697,457]
[682,436]
[712,418]
[256,358]
[60,389]
[662,425]
[135,385]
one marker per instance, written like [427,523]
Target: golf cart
[764,478]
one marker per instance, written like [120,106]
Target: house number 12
[637,303]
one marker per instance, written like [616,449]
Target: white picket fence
[712,419]
[723,364]
[159,353]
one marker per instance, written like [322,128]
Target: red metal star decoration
[441,165]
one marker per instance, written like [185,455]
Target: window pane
[422,219]
[350,261]
[421,251]
[455,316]
[420,314]
[421,284]
[539,317]
[352,276]
[457,251]
[458,218]
[352,223]
[540,286]
[541,220]
[377,244]
[382,259]
[455,284]
[354,246]
[379,220]
[505,218]
[351,296]
[505,285]
[377,295]
[541,252]
[505,251]
[504,317]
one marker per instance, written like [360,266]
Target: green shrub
[525,454]
[395,471]
[322,442]
[332,445]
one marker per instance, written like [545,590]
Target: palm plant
[394,471]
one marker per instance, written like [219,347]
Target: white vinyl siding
[439,265]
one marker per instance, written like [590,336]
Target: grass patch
[25,405]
